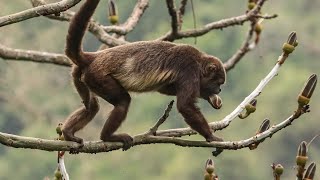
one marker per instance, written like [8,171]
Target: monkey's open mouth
[215,101]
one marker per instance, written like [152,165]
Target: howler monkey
[171,69]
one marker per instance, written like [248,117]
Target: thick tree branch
[98,146]
[43,10]
[34,56]
[174,18]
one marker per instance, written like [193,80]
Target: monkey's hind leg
[116,95]
[82,116]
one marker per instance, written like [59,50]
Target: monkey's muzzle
[215,101]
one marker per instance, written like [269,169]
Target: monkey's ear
[210,69]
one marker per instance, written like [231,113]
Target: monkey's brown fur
[171,69]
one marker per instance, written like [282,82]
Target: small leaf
[309,86]
[209,166]
[264,126]
[302,149]
[292,38]
[112,8]
[311,170]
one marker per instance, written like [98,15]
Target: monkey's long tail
[77,29]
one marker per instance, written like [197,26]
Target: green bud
[287,48]
[303,100]
[251,5]
[258,28]
[278,169]
[57,174]
[301,160]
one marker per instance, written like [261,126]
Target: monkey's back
[146,65]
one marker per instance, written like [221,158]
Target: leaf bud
[287,48]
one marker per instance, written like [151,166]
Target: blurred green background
[35,97]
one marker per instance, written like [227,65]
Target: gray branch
[34,56]
[99,146]
[94,27]
[132,21]
[239,20]
[42,10]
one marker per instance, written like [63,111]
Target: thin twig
[161,120]
[132,21]
[309,143]
[246,47]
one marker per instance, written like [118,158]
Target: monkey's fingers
[214,138]
[127,142]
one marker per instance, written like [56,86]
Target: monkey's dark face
[211,80]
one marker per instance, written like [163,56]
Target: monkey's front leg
[193,116]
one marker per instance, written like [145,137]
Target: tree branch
[160,121]
[43,10]
[174,18]
[132,21]
[34,56]
[94,27]
[99,146]
[239,20]
[182,9]
[246,47]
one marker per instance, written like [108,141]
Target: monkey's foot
[68,136]
[214,138]
[126,139]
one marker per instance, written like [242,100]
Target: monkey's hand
[126,139]
[214,138]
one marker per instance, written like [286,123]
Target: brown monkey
[171,69]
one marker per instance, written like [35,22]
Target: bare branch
[34,56]
[161,120]
[43,10]
[94,27]
[246,47]
[183,4]
[99,146]
[174,18]
[132,21]
[239,20]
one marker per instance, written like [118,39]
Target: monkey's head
[213,75]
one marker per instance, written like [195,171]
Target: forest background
[35,97]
